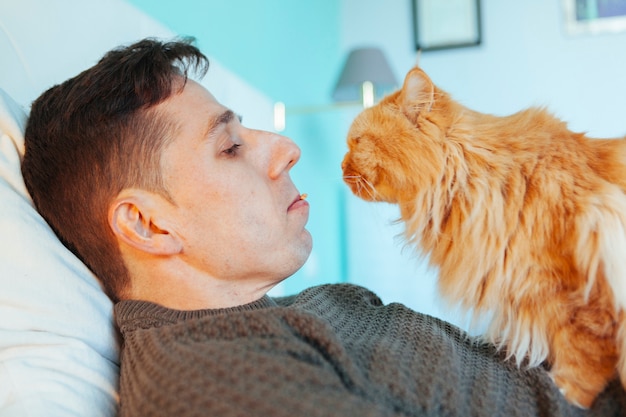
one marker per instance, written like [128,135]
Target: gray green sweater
[333,350]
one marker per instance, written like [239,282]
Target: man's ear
[137,218]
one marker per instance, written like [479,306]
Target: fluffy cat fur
[525,220]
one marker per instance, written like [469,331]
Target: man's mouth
[299,201]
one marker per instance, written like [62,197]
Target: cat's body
[525,220]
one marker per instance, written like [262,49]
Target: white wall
[526,58]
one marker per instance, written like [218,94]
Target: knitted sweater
[333,350]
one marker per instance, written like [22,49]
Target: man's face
[235,207]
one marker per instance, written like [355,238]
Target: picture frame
[446,24]
[594,16]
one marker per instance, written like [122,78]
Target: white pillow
[58,344]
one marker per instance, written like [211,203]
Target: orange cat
[525,220]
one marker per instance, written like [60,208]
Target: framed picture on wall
[446,24]
[594,16]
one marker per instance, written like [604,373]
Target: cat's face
[392,147]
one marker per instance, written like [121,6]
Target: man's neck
[188,291]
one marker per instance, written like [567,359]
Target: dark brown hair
[96,134]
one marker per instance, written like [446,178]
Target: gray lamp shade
[363,64]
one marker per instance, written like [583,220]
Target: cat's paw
[574,393]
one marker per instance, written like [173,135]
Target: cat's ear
[418,93]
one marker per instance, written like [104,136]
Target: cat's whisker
[369,187]
[353,179]
[361,184]
[365,188]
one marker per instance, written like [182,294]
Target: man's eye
[233,150]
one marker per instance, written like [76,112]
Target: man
[189,218]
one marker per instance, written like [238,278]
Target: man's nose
[284,154]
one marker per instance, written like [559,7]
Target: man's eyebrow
[222,119]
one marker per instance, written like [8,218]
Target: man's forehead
[194,98]
[198,89]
